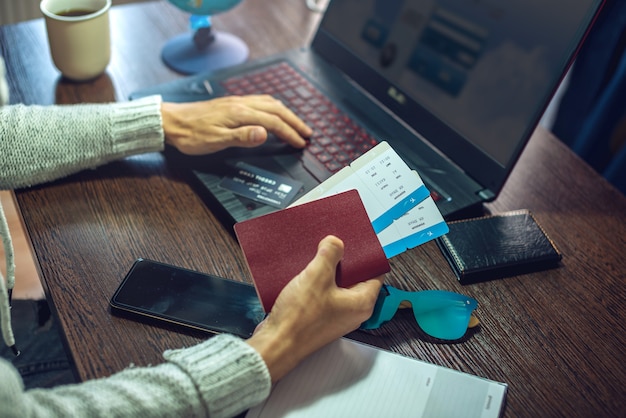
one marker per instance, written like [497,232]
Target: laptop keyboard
[337,140]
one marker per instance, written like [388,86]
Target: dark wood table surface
[557,337]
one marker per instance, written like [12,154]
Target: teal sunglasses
[439,313]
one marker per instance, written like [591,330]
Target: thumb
[248,136]
[331,249]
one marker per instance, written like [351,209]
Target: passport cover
[279,245]
[497,246]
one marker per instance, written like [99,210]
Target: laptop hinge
[486,195]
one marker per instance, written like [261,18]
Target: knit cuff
[230,375]
[137,126]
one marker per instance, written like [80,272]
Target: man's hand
[235,121]
[312,311]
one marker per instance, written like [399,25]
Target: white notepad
[350,379]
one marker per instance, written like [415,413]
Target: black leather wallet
[497,246]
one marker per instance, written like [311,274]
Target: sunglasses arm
[380,315]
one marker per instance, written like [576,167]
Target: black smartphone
[154,291]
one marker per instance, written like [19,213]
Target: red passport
[279,245]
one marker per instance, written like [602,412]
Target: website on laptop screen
[485,68]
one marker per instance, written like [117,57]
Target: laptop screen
[472,77]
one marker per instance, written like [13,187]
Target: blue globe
[204,49]
[205,7]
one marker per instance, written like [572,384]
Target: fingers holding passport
[311,311]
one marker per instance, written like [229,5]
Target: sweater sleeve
[220,377]
[43,143]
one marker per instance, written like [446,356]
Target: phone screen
[153,290]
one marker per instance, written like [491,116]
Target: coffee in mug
[79,36]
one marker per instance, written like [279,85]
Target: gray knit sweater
[219,377]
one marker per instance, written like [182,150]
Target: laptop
[456,87]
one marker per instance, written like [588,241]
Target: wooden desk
[556,337]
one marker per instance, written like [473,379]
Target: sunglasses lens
[443,315]
[440,314]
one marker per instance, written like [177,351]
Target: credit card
[261,185]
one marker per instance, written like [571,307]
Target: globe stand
[203,50]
